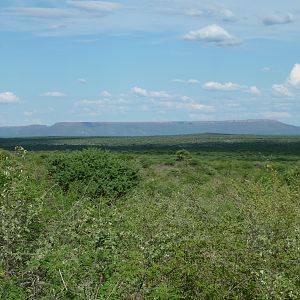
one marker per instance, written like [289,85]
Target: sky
[154,60]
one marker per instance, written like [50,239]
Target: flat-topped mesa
[253,127]
[254,121]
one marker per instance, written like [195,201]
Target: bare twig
[62,279]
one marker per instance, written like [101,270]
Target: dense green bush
[93,172]
[183,155]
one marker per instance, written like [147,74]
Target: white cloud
[82,80]
[289,88]
[53,94]
[216,86]
[194,12]
[213,34]
[86,102]
[253,90]
[153,94]
[281,90]
[103,106]
[197,107]
[106,94]
[95,5]
[139,91]
[186,98]
[8,97]
[266,69]
[178,102]
[228,16]
[278,19]
[188,81]
[233,105]
[158,94]
[230,86]
[29,113]
[225,15]
[294,78]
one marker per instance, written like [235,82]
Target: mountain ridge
[251,126]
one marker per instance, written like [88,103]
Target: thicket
[221,228]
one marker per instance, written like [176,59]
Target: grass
[200,225]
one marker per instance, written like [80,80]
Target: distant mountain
[255,127]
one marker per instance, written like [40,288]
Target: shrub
[21,220]
[183,155]
[94,172]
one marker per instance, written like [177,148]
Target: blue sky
[154,60]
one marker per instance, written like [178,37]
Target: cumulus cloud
[266,69]
[194,12]
[188,81]
[253,90]
[281,90]
[225,15]
[153,94]
[139,91]
[8,97]
[186,98]
[213,34]
[86,102]
[294,78]
[217,86]
[228,16]
[278,19]
[177,102]
[106,94]
[292,83]
[53,94]
[159,94]
[103,106]
[82,80]
[230,86]
[104,102]
[197,107]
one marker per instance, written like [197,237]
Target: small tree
[183,155]
[96,173]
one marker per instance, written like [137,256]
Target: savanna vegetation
[195,217]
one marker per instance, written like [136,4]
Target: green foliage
[183,155]
[216,226]
[228,144]
[170,161]
[96,173]
[21,223]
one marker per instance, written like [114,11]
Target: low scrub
[211,230]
